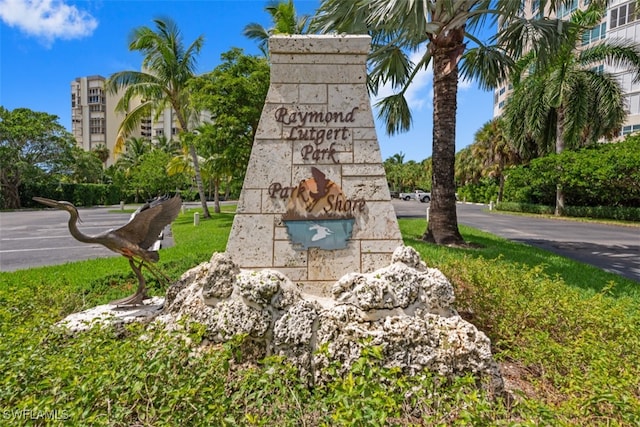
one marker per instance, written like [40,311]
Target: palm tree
[393,169]
[467,169]
[284,20]
[440,30]
[102,152]
[572,101]
[168,145]
[494,151]
[135,149]
[167,68]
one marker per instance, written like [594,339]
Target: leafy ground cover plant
[568,343]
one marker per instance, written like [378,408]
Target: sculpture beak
[48,202]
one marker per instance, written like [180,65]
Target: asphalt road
[34,238]
[40,237]
[610,247]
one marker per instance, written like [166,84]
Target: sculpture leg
[141,292]
[158,273]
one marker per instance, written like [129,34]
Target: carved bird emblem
[322,184]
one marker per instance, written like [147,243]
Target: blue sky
[45,44]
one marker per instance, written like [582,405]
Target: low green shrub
[572,340]
[596,212]
[482,192]
[599,175]
[604,212]
[78,194]
[525,208]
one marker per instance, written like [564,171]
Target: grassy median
[567,337]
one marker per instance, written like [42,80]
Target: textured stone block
[316,126]
[331,265]
[285,256]
[252,243]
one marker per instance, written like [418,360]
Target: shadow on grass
[573,273]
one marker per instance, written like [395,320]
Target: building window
[96,126]
[626,130]
[598,32]
[95,99]
[622,15]
[501,104]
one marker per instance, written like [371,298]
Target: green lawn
[566,334]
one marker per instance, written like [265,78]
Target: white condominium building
[94,121]
[620,22]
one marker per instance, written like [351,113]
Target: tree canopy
[233,93]
[31,143]
[444,34]
[167,65]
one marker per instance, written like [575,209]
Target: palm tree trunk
[182,119]
[443,222]
[196,169]
[216,195]
[559,149]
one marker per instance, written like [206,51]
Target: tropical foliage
[444,34]
[571,101]
[602,175]
[167,66]
[36,150]
[407,176]
[233,94]
[284,20]
[480,167]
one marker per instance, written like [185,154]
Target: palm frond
[351,17]
[395,112]
[545,37]
[576,105]
[391,64]
[617,53]
[489,65]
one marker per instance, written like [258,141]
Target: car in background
[395,195]
[420,195]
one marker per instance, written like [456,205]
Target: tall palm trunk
[443,222]
[196,164]
[196,170]
[216,195]
[559,149]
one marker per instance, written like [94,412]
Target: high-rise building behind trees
[621,21]
[94,121]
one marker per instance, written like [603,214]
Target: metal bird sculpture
[133,240]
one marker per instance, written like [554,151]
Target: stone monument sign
[315,204]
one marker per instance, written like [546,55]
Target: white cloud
[47,20]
